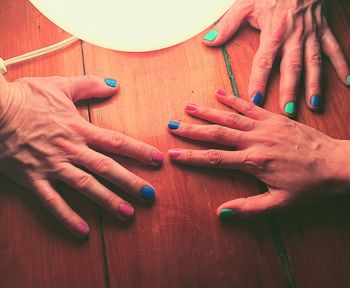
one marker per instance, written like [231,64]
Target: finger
[313,64]
[209,158]
[242,106]
[229,23]
[333,51]
[290,71]
[60,209]
[227,119]
[253,205]
[86,87]
[262,65]
[110,170]
[94,190]
[209,133]
[118,143]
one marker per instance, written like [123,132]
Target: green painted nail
[111,82]
[348,79]
[211,35]
[227,214]
[290,108]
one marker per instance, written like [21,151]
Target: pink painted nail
[125,211]
[191,107]
[82,229]
[157,157]
[221,92]
[173,153]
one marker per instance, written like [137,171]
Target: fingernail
[147,193]
[257,98]
[191,107]
[211,35]
[111,82]
[173,153]
[173,125]
[125,211]
[221,92]
[348,79]
[290,108]
[157,157]
[315,101]
[82,229]
[227,214]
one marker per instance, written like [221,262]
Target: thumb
[253,205]
[85,87]
[229,23]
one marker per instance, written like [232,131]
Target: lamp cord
[36,53]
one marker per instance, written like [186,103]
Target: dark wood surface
[177,242]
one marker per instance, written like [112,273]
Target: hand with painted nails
[293,160]
[44,139]
[295,29]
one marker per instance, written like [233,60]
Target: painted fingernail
[191,107]
[82,230]
[290,108]
[157,157]
[173,153]
[173,125]
[111,82]
[315,101]
[348,79]
[227,214]
[147,193]
[211,35]
[257,98]
[125,211]
[221,92]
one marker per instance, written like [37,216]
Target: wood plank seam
[274,227]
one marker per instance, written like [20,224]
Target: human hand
[43,139]
[295,29]
[294,161]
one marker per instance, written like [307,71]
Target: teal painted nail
[227,214]
[111,82]
[211,35]
[290,108]
[348,79]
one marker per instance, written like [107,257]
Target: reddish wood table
[179,241]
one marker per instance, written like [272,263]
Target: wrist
[339,165]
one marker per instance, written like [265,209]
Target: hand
[293,160]
[43,138]
[297,30]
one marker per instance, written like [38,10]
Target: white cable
[36,53]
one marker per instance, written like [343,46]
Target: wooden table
[179,241]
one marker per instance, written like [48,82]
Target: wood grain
[178,242]
[316,237]
[35,251]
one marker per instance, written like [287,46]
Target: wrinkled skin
[44,139]
[297,31]
[294,161]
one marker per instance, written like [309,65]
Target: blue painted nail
[315,101]
[147,193]
[111,82]
[173,125]
[257,98]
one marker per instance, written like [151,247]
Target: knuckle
[49,200]
[142,149]
[118,140]
[187,130]
[259,162]
[217,133]
[215,157]
[84,181]
[265,63]
[294,66]
[248,107]
[232,119]
[112,202]
[133,184]
[104,165]
[316,59]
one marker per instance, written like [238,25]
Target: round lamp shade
[133,25]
